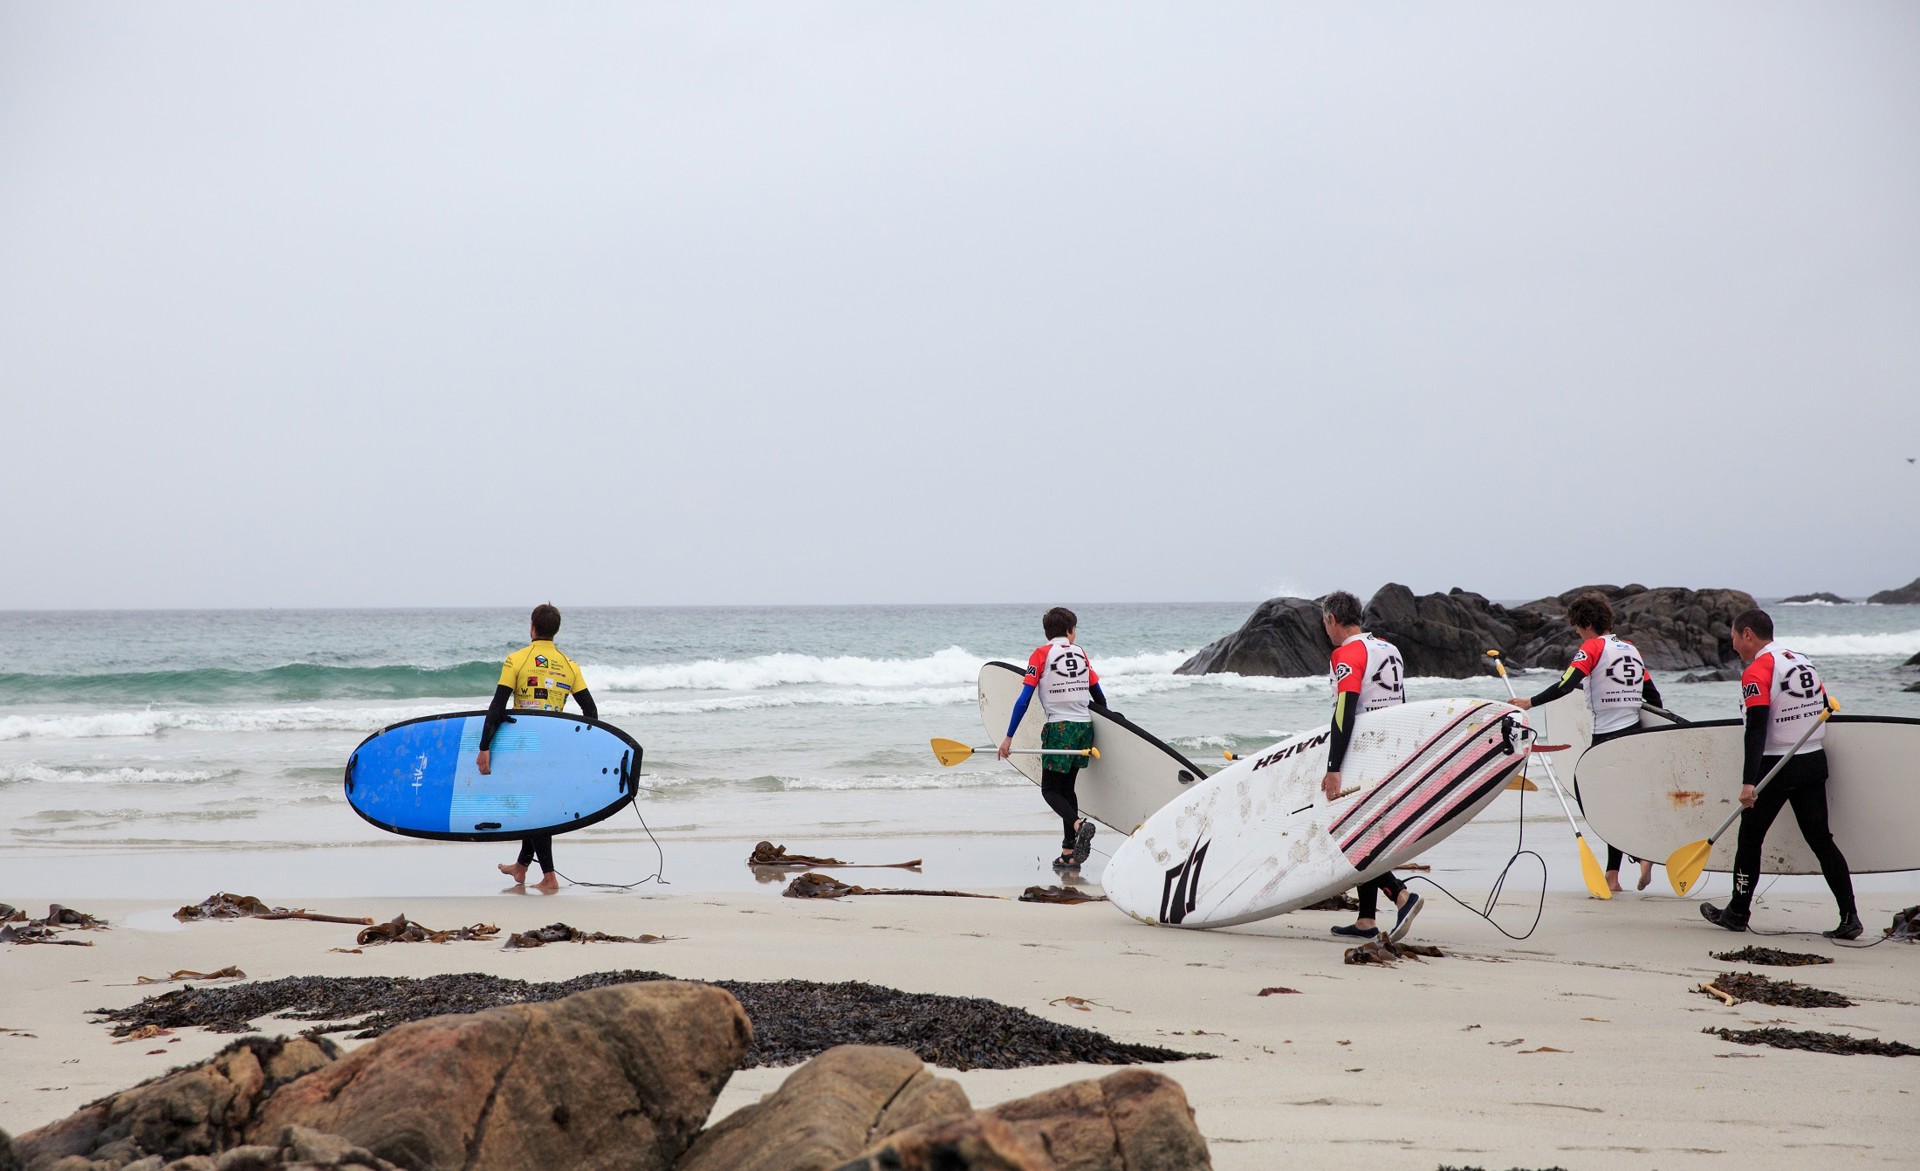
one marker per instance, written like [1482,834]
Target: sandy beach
[1579,1047]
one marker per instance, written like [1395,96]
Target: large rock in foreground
[827,1111]
[1448,635]
[200,1110]
[618,1077]
[1128,1120]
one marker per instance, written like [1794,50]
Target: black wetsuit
[538,847]
[1802,784]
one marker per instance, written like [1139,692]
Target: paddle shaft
[1547,764]
[1768,779]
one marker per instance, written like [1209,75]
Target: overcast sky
[371,304]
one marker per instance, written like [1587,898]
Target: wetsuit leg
[1614,858]
[1754,824]
[1370,893]
[539,846]
[1057,789]
[1809,800]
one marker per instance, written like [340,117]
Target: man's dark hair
[546,621]
[1342,607]
[1058,622]
[1592,611]
[1757,621]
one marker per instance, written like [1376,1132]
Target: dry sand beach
[1579,1047]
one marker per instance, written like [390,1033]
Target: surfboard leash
[1499,884]
[659,871]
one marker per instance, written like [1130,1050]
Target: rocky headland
[1906,595]
[1448,635]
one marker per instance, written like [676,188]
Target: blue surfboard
[552,772]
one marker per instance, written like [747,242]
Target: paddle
[952,752]
[1595,877]
[1685,864]
[1664,714]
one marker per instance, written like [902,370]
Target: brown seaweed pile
[15,927]
[793,1020]
[404,930]
[1068,895]
[1814,1042]
[1385,952]
[825,886]
[562,933]
[1765,990]
[224,905]
[1770,957]
[768,854]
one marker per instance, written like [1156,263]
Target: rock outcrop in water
[1906,595]
[1448,635]
[1818,596]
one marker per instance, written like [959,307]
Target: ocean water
[175,752]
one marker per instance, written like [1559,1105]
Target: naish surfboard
[1259,838]
[551,772]
[1651,793]
[1135,775]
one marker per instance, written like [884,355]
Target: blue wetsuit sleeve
[1020,709]
[588,708]
[496,715]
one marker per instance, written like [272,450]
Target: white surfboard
[1135,775]
[1651,793]
[1259,838]
[1569,720]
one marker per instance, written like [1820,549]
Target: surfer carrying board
[1780,691]
[1060,672]
[1366,673]
[1617,683]
[537,677]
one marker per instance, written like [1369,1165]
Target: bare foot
[1613,881]
[548,882]
[514,871]
[1646,875]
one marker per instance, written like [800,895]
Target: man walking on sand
[1779,692]
[1060,672]
[1618,685]
[1366,674]
[537,677]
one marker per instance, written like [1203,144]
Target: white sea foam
[60,776]
[952,666]
[1906,642]
[944,780]
[153,721]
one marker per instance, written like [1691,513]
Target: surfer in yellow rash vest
[1366,673]
[537,677]
[1617,683]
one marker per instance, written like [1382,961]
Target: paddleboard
[551,772]
[1135,775]
[1259,838]
[1651,793]
[1569,720]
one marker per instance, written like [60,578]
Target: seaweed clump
[1765,990]
[1816,1042]
[1770,957]
[793,1020]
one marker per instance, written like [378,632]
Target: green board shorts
[1069,735]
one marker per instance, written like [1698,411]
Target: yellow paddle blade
[1523,785]
[1685,864]
[1094,752]
[950,752]
[1590,870]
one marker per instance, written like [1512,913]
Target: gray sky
[336,304]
